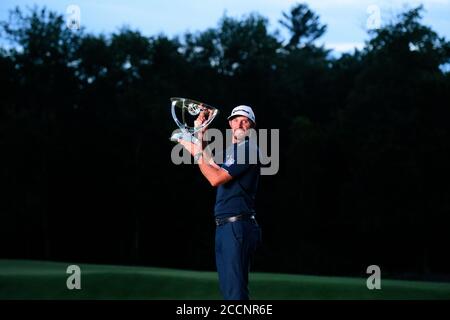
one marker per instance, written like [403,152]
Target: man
[237,232]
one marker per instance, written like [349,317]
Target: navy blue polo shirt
[238,196]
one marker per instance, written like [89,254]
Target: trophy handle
[174,116]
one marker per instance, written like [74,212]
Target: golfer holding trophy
[237,232]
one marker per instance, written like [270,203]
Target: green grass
[23,279]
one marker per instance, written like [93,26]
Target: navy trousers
[235,245]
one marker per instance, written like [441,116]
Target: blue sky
[346,19]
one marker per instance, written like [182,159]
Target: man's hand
[202,117]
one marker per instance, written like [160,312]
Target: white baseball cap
[243,110]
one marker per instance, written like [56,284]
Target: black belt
[241,217]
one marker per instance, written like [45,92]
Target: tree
[393,129]
[85,121]
[41,52]
[235,46]
[303,24]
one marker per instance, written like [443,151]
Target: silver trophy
[185,112]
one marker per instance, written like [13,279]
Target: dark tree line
[85,163]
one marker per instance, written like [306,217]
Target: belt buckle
[234,218]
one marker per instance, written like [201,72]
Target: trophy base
[184,136]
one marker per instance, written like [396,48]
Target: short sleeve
[235,169]
[239,160]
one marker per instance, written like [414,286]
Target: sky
[347,20]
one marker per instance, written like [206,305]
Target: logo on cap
[245,111]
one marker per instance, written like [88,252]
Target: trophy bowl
[185,112]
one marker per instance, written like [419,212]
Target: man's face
[240,126]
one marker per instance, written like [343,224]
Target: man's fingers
[202,116]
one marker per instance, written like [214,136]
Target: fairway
[24,279]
